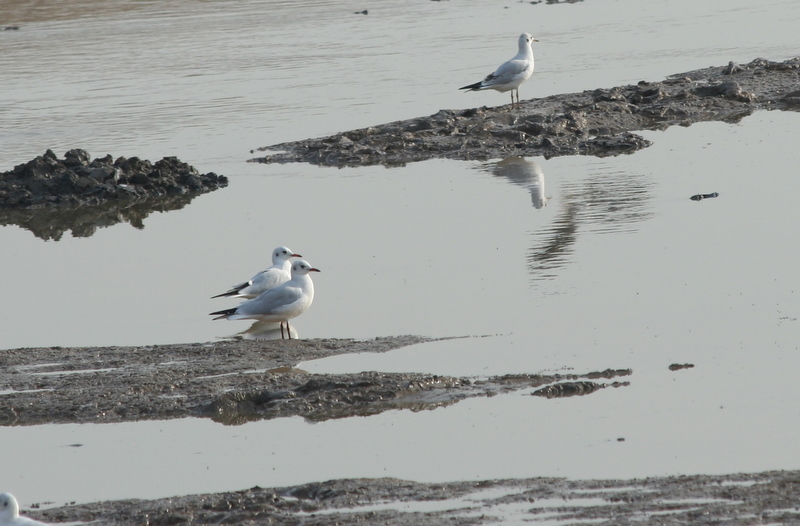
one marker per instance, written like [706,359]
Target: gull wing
[506,72]
[270,302]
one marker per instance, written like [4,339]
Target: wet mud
[763,498]
[598,122]
[237,381]
[233,382]
[51,196]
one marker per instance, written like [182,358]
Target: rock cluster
[47,181]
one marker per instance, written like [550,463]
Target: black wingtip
[473,87]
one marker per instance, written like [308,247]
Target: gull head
[526,38]
[9,509]
[301,267]
[281,254]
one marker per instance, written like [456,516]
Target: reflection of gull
[606,201]
[510,75]
[9,513]
[524,173]
[266,279]
[284,302]
[266,330]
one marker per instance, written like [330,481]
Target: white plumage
[511,74]
[9,513]
[266,279]
[279,304]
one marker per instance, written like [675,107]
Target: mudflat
[233,382]
[598,122]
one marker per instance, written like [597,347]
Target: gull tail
[473,87]
[220,314]
[234,290]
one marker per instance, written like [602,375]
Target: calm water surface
[565,264]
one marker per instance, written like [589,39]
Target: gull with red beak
[280,304]
[266,279]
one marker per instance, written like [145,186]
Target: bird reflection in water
[527,174]
[266,330]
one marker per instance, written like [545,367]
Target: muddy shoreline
[596,122]
[762,498]
[233,382]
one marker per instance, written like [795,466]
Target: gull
[510,75]
[266,279]
[9,513]
[282,303]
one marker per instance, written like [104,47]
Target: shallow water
[618,269]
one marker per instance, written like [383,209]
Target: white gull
[279,304]
[9,513]
[266,279]
[510,75]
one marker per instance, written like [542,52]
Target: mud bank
[50,196]
[770,497]
[598,122]
[234,382]
[77,180]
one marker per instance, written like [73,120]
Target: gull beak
[314,270]
[295,256]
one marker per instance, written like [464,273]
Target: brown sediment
[740,499]
[50,196]
[232,382]
[597,122]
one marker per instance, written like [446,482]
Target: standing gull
[282,303]
[9,513]
[510,75]
[266,279]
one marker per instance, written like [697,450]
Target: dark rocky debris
[700,197]
[50,196]
[596,122]
[77,180]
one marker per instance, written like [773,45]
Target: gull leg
[282,331]
[288,330]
